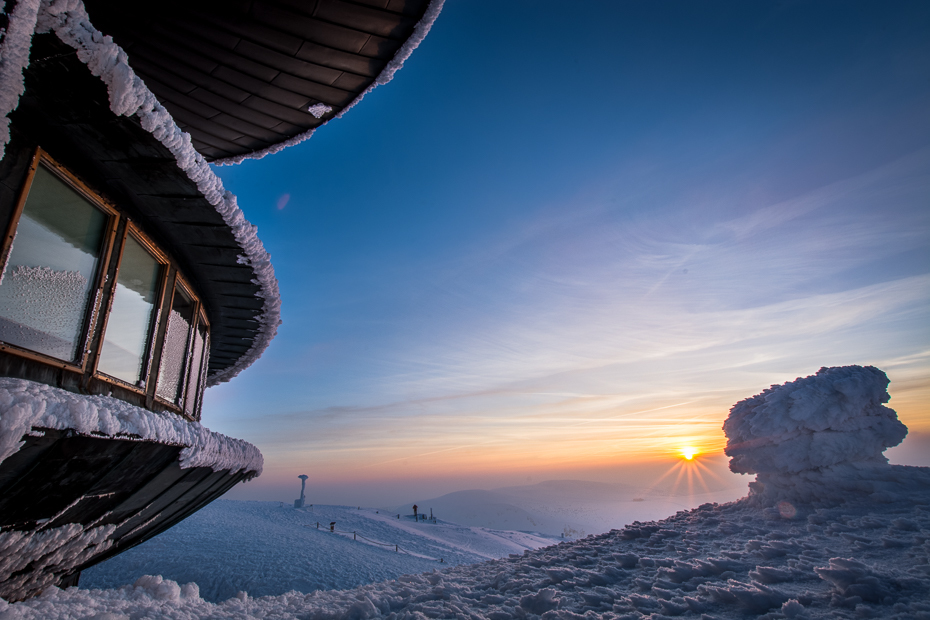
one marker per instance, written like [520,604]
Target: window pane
[174,353]
[129,326]
[46,286]
[197,368]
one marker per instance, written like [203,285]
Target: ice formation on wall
[419,33]
[14,56]
[817,438]
[32,561]
[25,405]
[129,96]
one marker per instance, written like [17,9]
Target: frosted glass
[174,353]
[197,367]
[46,285]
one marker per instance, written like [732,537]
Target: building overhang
[249,77]
[66,111]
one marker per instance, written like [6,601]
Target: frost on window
[129,326]
[199,355]
[47,282]
[174,352]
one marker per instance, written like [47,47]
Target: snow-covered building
[130,279]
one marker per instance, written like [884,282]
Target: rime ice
[25,405]
[818,437]
[129,96]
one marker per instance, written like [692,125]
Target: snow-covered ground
[829,530]
[266,548]
[865,559]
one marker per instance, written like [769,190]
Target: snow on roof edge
[14,56]
[128,96]
[25,405]
[419,33]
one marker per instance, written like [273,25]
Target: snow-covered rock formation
[819,438]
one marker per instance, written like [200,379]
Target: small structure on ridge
[299,503]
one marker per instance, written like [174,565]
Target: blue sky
[567,238]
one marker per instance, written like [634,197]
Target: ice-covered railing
[419,33]
[817,438]
[25,405]
[129,96]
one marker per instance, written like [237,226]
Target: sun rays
[690,472]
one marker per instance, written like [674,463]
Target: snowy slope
[265,548]
[863,559]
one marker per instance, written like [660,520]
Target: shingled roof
[245,77]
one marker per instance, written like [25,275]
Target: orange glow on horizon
[688,453]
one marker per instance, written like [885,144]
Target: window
[198,368]
[131,322]
[51,270]
[177,343]
[184,355]
[53,284]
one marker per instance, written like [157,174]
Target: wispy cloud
[587,337]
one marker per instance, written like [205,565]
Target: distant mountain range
[569,508]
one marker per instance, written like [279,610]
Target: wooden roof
[240,75]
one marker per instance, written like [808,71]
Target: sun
[689,453]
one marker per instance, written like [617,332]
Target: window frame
[98,312]
[179,281]
[92,313]
[132,230]
[201,317]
